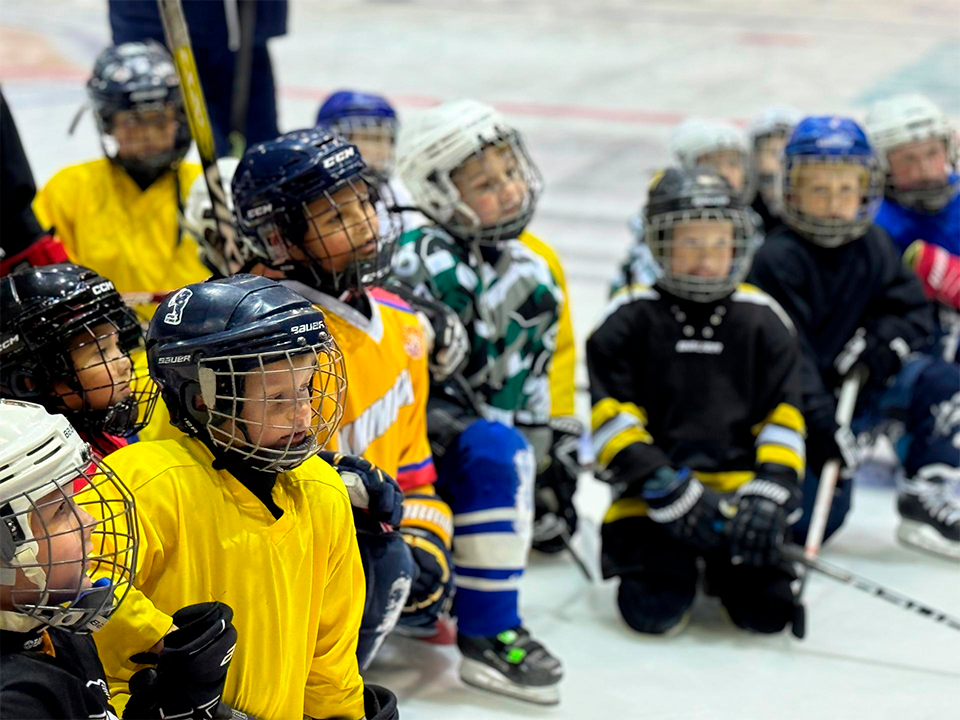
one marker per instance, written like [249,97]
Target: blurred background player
[67,344]
[370,122]
[921,210]
[769,132]
[469,172]
[323,229]
[25,242]
[250,373]
[229,41]
[827,255]
[118,215]
[683,424]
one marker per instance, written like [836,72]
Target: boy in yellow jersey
[118,215]
[241,510]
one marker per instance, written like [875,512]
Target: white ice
[597,85]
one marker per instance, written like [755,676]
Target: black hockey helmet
[209,342]
[138,77]
[50,314]
[692,196]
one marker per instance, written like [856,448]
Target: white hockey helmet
[903,119]
[43,463]
[197,217]
[434,143]
[773,121]
[697,137]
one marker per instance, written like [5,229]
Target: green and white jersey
[510,305]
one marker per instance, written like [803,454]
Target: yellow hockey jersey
[295,584]
[131,236]
[564,357]
[385,412]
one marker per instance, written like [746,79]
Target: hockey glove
[765,508]
[191,669]
[379,703]
[881,360]
[427,527]
[687,509]
[556,517]
[370,488]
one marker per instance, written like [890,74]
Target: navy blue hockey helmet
[368,121]
[67,340]
[310,205]
[832,181]
[249,367]
[139,77]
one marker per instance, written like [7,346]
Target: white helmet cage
[904,119]
[435,143]
[697,137]
[52,486]
[772,122]
[376,138]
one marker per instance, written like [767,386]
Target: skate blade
[923,537]
[484,677]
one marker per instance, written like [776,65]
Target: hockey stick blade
[230,259]
[797,554]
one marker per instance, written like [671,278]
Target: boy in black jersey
[696,419]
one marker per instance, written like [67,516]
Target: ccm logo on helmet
[259,211]
[339,157]
[101,288]
[307,327]
[10,341]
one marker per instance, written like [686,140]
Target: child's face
[102,368]
[277,405]
[829,191]
[375,144]
[492,185]
[63,531]
[769,153]
[341,232]
[919,165]
[144,133]
[702,248]
[728,164]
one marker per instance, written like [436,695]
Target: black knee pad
[653,603]
[637,544]
[757,599]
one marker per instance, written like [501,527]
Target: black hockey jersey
[710,386]
[831,292]
[52,674]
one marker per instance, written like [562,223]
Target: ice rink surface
[597,85]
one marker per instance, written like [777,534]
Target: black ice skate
[511,663]
[929,517]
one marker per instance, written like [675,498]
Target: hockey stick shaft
[798,554]
[178,41]
[242,73]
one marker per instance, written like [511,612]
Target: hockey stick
[178,41]
[830,474]
[798,554]
[242,72]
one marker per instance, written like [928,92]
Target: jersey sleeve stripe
[411,476]
[779,435]
[785,415]
[780,455]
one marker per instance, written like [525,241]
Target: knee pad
[654,603]
[637,544]
[756,599]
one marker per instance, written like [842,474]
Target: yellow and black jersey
[715,387]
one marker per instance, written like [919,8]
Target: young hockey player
[118,215]
[309,203]
[769,132]
[695,385]
[50,483]
[840,279]
[921,211]
[469,172]
[67,344]
[240,508]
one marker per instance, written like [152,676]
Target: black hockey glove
[687,509]
[427,528]
[882,360]
[379,703]
[765,509]
[555,516]
[191,669]
[370,488]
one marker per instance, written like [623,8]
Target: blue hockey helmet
[249,367]
[138,77]
[368,121]
[843,205]
[310,192]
